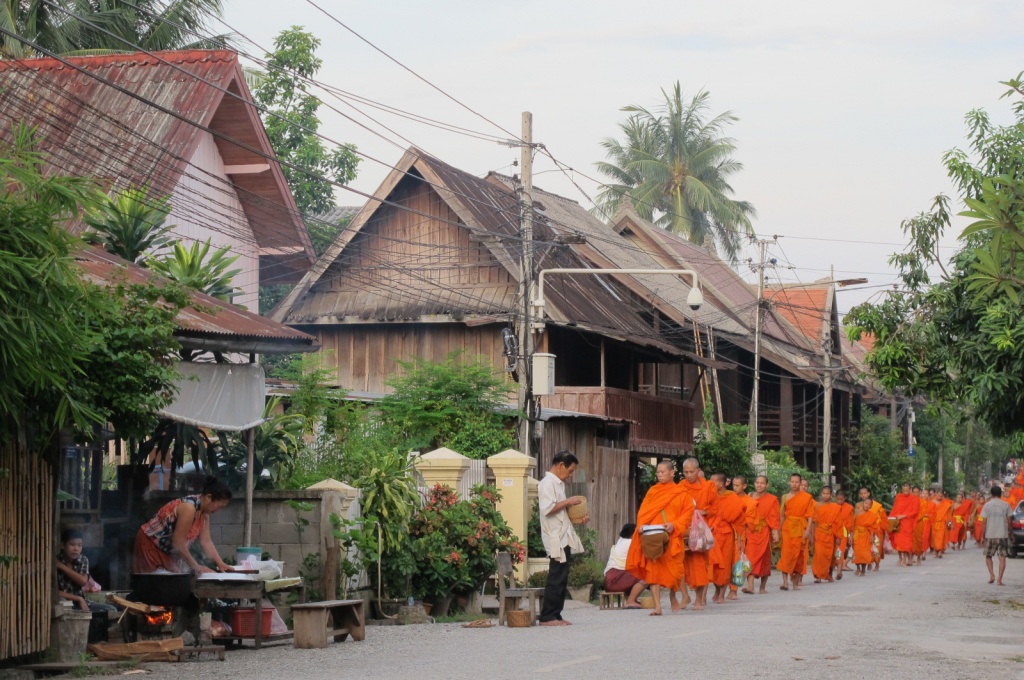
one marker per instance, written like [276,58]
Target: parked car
[1017,530]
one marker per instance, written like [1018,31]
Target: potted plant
[453,543]
[583,574]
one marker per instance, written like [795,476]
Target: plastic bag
[220,629]
[701,539]
[887,546]
[741,570]
[91,586]
[268,569]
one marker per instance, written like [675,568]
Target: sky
[845,110]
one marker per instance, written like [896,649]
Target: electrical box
[543,374]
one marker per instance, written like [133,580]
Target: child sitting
[73,579]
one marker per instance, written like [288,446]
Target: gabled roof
[807,307]
[90,128]
[489,210]
[210,324]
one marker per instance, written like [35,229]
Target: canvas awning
[226,397]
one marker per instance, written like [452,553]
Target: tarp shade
[227,397]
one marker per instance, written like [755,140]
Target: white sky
[845,110]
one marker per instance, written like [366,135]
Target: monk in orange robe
[739,487]
[880,529]
[728,527]
[846,518]
[961,510]
[905,508]
[920,538]
[977,522]
[797,509]
[665,503]
[699,565]
[941,522]
[865,521]
[827,527]
[762,532]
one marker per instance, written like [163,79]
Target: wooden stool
[311,620]
[611,600]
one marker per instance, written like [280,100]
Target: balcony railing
[657,424]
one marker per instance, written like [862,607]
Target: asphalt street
[940,620]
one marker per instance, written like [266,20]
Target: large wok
[164,590]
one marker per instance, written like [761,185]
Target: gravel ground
[938,621]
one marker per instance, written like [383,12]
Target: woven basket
[578,512]
[518,618]
[646,601]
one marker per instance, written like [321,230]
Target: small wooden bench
[611,600]
[311,619]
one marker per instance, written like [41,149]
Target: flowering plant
[454,541]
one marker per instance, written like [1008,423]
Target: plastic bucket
[242,553]
[70,635]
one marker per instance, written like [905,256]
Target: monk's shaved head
[691,462]
[718,477]
[667,464]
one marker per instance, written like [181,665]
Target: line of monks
[806,531]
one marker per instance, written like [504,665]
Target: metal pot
[164,590]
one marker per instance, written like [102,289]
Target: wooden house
[182,123]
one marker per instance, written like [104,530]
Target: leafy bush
[725,451]
[537,579]
[879,463]
[585,572]
[781,466]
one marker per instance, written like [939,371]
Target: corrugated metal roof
[91,129]
[209,317]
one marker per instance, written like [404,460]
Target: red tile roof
[805,307]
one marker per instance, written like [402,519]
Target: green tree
[104,26]
[292,123]
[675,164]
[455,403]
[878,459]
[725,451]
[130,224]
[960,339]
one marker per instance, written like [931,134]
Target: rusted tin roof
[89,128]
[210,323]
[490,211]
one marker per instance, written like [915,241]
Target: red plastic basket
[243,621]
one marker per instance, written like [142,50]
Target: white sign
[507,482]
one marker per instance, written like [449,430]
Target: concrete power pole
[826,439]
[526,399]
[754,397]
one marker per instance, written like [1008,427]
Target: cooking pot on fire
[163,589]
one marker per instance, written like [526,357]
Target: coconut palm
[77,27]
[674,165]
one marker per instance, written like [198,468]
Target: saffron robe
[865,525]
[977,523]
[881,529]
[798,510]
[677,505]
[846,518]
[828,529]
[759,534]
[922,528]
[729,521]
[699,564]
[940,531]
[909,506]
[960,514]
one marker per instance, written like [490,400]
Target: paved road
[941,620]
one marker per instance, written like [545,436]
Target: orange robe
[677,506]
[759,534]
[699,564]
[865,527]
[922,529]
[799,509]
[978,524]
[846,518]
[828,528]
[940,532]
[908,505]
[729,522]
[881,529]
[960,514]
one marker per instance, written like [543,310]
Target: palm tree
[77,27]
[130,224]
[674,165]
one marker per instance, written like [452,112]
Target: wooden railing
[656,423]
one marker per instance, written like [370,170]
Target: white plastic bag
[268,569]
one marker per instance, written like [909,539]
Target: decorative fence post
[511,476]
[442,466]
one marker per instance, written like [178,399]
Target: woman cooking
[165,541]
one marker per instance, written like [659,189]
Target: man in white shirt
[560,539]
[997,516]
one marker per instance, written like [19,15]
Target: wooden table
[206,589]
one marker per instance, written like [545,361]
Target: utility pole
[526,399]
[752,437]
[826,439]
